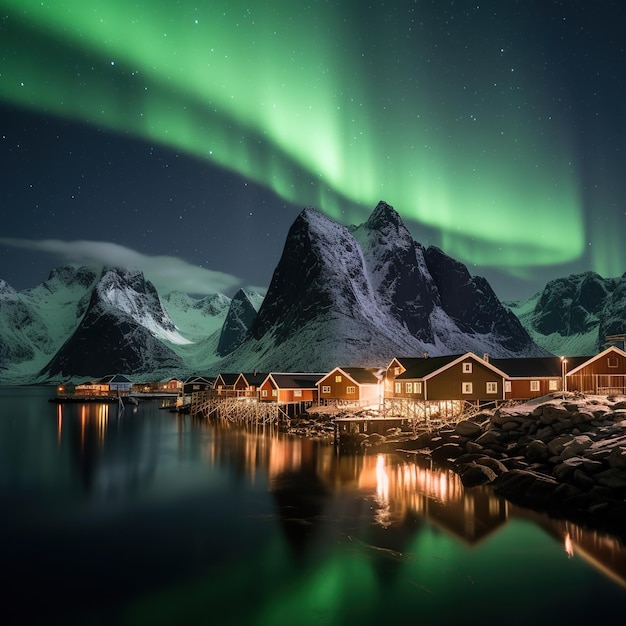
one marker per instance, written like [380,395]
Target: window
[612,362]
[507,386]
[396,371]
[297,393]
[398,387]
[408,387]
[274,392]
[467,387]
[264,393]
[351,389]
[553,384]
[492,387]
[534,385]
[467,368]
[337,379]
[325,388]
[417,387]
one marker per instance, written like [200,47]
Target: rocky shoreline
[563,454]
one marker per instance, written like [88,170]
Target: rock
[473,474]
[617,458]
[577,445]
[537,450]
[446,452]
[467,428]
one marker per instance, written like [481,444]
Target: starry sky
[184,137]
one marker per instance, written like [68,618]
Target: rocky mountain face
[362,295]
[238,322]
[123,330]
[574,315]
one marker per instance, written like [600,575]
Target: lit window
[408,387]
[398,387]
[325,388]
[417,387]
[467,368]
[492,387]
[468,387]
[535,385]
[297,393]
[553,384]
[274,392]
[351,389]
[264,393]
[337,379]
[396,371]
[507,386]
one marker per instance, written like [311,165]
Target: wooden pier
[239,409]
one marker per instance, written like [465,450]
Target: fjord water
[144,516]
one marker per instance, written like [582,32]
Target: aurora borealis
[494,128]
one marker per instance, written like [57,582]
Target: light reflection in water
[397,488]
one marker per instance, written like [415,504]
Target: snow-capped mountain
[34,323]
[123,330]
[363,295]
[352,295]
[574,315]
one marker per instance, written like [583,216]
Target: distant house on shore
[225,382]
[197,383]
[248,384]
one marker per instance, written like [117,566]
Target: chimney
[425,355]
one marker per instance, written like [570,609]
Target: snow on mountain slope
[573,315]
[127,291]
[365,294]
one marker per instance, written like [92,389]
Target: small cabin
[225,383]
[603,374]
[248,384]
[359,386]
[197,383]
[289,387]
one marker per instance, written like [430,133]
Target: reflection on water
[305,476]
[143,500]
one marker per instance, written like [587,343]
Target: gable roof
[359,375]
[227,379]
[537,367]
[614,349]
[114,378]
[254,378]
[294,380]
[426,368]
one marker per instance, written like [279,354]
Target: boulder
[473,474]
[467,428]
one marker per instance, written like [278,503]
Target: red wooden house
[351,385]
[603,374]
[289,387]
[464,377]
[225,383]
[533,377]
[248,384]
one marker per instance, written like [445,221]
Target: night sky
[185,137]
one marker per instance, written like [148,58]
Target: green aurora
[298,100]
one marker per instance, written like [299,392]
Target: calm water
[147,517]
